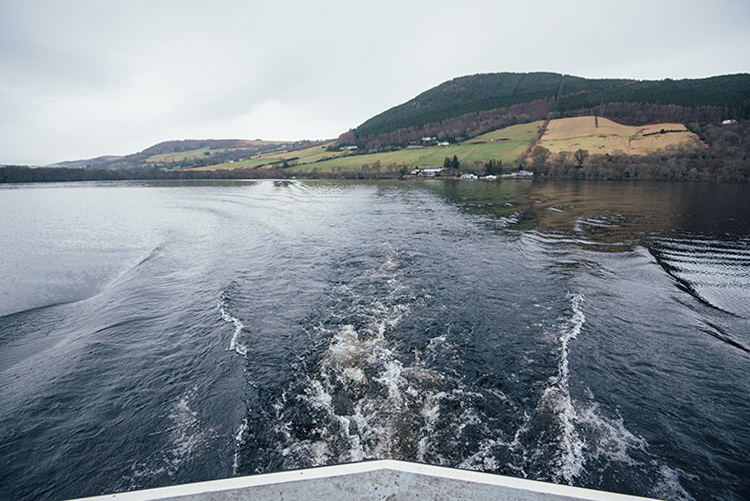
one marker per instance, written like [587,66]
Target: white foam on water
[431,408]
[354,374]
[345,363]
[239,439]
[668,486]
[612,440]
[366,400]
[318,395]
[484,459]
[586,434]
[237,344]
[557,398]
[185,437]
[392,379]
[346,348]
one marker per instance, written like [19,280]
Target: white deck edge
[531,486]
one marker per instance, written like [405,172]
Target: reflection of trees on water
[632,211]
[608,212]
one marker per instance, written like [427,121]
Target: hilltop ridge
[471,105]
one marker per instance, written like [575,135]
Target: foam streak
[235,344]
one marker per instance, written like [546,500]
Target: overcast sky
[84,78]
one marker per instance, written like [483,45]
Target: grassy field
[301,160]
[600,136]
[521,132]
[250,163]
[478,149]
[507,145]
[302,156]
[181,156]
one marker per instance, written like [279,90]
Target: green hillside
[562,95]
[516,140]
[464,95]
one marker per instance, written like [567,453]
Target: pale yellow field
[571,134]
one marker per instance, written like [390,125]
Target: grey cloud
[122,73]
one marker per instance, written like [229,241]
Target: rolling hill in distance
[512,119]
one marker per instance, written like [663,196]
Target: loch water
[592,334]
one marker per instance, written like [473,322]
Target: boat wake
[363,393]
[590,443]
[239,342]
[365,396]
[557,399]
[185,436]
[712,271]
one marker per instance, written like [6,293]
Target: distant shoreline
[41,175]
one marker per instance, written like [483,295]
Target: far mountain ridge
[185,153]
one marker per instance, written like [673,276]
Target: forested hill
[472,104]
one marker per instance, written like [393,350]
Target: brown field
[601,135]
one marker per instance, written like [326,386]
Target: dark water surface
[590,334]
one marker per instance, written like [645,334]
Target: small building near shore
[427,171]
[522,173]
